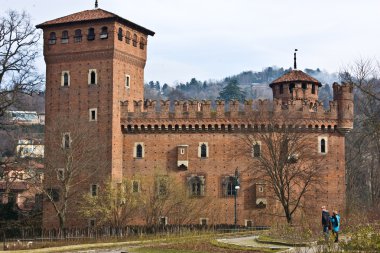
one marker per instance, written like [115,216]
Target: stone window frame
[135,150]
[66,140]
[325,138]
[201,221]
[246,221]
[260,188]
[254,152]
[94,190]
[63,83]
[228,186]
[133,186]
[200,153]
[164,219]
[127,81]
[90,114]
[196,185]
[90,71]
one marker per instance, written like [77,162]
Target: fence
[24,238]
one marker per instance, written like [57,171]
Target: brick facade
[171,138]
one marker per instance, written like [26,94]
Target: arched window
[134,41]
[291,87]
[120,34]
[281,89]
[104,32]
[203,150]
[139,151]
[142,43]
[78,35]
[128,37]
[91,34]
[52,38]
[93,77]
[323,146]
[65,37]
[65,79]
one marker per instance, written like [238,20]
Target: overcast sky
[211,39]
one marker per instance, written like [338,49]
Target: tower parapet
[344,97]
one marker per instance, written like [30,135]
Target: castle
[95,74]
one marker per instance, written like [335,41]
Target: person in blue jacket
[335,222]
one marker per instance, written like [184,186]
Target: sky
[212,39]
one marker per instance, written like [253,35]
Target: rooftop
[295,76]
[92,15]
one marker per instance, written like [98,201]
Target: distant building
[22,117]
[27,148]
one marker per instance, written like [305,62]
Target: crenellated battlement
[193,109]
[343,91]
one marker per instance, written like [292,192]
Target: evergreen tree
[232,91]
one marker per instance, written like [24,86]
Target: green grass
[151,250]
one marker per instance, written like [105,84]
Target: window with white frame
[256,149]
[138,150]
[61,174]
[203,221]
[93,114]
[203,150]
[163,220]
[92,77]
[94,190]
[127,81]
[65,79]
[322,145]
[248,223]
[66,140]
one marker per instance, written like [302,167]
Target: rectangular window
[135,186]
[60,174]
[127,81]
[256,149]
[203,150]
[163,220]
[91,223]
[66,141]
[203,221]
[94,190]
[93,114]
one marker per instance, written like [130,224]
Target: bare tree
[363,143]
[115,205]
[286,161]
[72,159]
[19,50]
